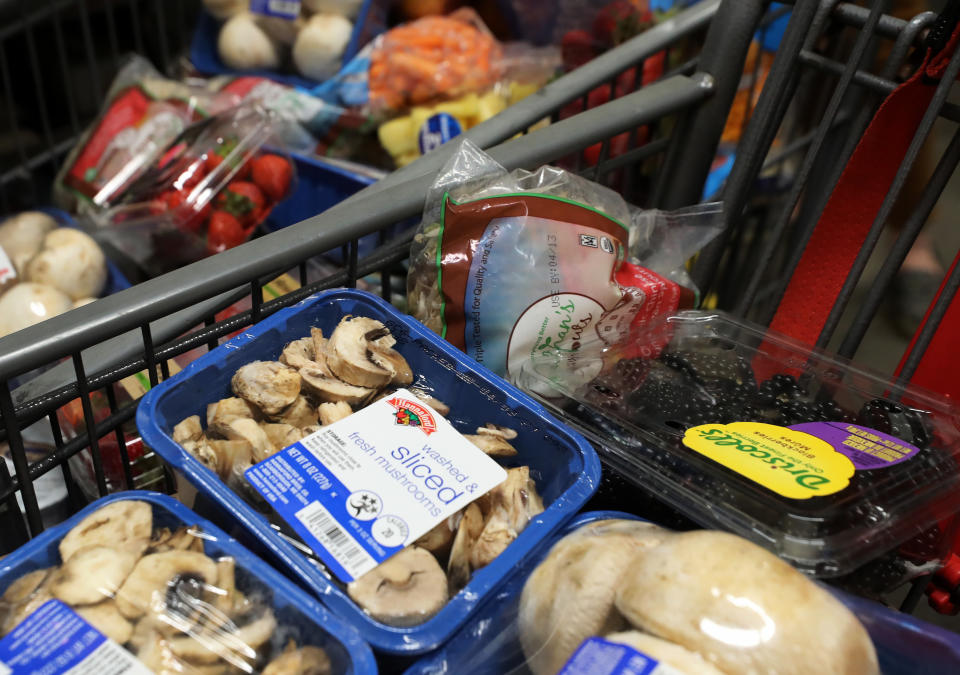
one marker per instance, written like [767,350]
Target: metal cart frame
[685,110]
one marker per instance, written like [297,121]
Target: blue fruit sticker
[438,130]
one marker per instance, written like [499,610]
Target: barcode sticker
[596,656]
[284,9]
[55,640]
[335,539]
[361,489]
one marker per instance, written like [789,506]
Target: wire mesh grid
[57,59]
[76,361]
[836,64]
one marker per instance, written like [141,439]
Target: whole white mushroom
[30,303]
[224,9]
[243,45]
[70,261]
[21,236]
[347,8]
[320,45]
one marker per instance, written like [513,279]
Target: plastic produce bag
[508,265]
[138,583]
[208,192]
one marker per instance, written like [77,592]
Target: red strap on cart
[848,215]
[839,236]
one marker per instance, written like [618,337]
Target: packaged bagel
[571,261]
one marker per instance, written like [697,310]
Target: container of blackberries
[842,472]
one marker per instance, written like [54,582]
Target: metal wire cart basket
[834,65]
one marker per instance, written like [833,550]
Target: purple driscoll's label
[867,448]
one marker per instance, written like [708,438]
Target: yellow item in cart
[402,136]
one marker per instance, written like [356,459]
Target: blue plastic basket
[308,621]
[564,465]
[905,646]
[320,185]
[370,21]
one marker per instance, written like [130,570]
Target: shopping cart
[96,346]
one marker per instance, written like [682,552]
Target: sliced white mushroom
[405,590]
[727,594]
[508,509]
[570,595]
[24,587]
[92,575]
[319,348]
[281,435]
[232,455]
[24,596]
[298,414]
[70,261]
[107,619]
[332,390]
[299,354]
[124,525]
[307,660]
[491,429]
[269,385]
[204,453]
[440,538]
[492,444]
[348,352]
[225,411]
[250,431]
[226,591]
[392,360]
[468,531]
[146,587]
[334,412]
[188,430]
[434,403]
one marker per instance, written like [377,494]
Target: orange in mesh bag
[436,57]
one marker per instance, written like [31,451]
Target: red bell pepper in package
[208,191]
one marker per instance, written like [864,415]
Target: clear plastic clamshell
[812,457]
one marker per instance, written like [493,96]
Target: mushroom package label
[361,489]
[597,656]
[285,9]
[55,639]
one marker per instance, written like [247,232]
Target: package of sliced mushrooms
[138,583]
[393,477]
[613,595]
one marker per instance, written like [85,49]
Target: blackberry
[875,578]
[797,412]
[888,417]
[668,396]
[829,411]
[781,388]
[711,365]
